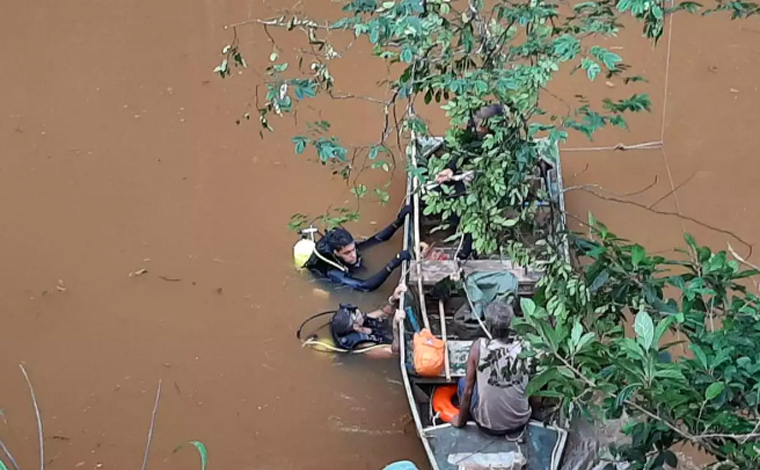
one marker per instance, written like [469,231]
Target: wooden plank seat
[434,271]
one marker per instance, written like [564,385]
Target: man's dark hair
[341,323]
[337,238]
[499,315]
[486,112]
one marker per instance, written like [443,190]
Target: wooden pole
[417,256]
[444,336]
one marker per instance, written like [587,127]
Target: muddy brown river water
[119,152]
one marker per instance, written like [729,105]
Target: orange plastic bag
[428,354]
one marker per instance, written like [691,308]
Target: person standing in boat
[493,389]
[370,333]
[477,128]
[337,256]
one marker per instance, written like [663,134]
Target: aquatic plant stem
[39,417]
[152,425]
[9,455]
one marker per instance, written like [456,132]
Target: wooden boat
[449,448]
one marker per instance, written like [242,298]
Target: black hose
[320,314]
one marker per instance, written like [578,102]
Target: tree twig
[152,425]
[746,438]
[588,189]
[673,190]
[39,417]
[601,188]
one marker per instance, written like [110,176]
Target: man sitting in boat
[369,333]
[493,389]
[337,256]
[477,128]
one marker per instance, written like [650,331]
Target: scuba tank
[305,247]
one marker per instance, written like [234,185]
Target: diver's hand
[397,260]
[399,317]
[400,290]
[406,210]
[444,175]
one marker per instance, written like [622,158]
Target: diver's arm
[460,420]
[386,311]
[389,309]
[386,233]
[372,283]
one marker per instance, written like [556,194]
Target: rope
[664,111]
[316,344]
[667,72]
[623,147]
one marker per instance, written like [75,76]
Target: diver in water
[337,256]
[371,333]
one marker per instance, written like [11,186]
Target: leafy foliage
[330,219]
[577,330]
[464,55]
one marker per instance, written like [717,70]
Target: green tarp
[484,288]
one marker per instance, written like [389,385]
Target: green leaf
[280,67]
[662,327]
[714,390]
[637,255]
[538,382]
[373,152]
[592,68]
[382,195]
[407,55]
[669,374]
[511,222]
[300,143]
[670,458]
[633,348]
[2,466]
[600,280]
[359,190]
[690,241]
[585,339]
[691,7]
[634,78]
[201,450]
[609,59]
[700,355]
[527,306]
[644,328]
[626,393]
[575,335]
[566,47]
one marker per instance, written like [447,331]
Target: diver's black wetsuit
[345,276]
